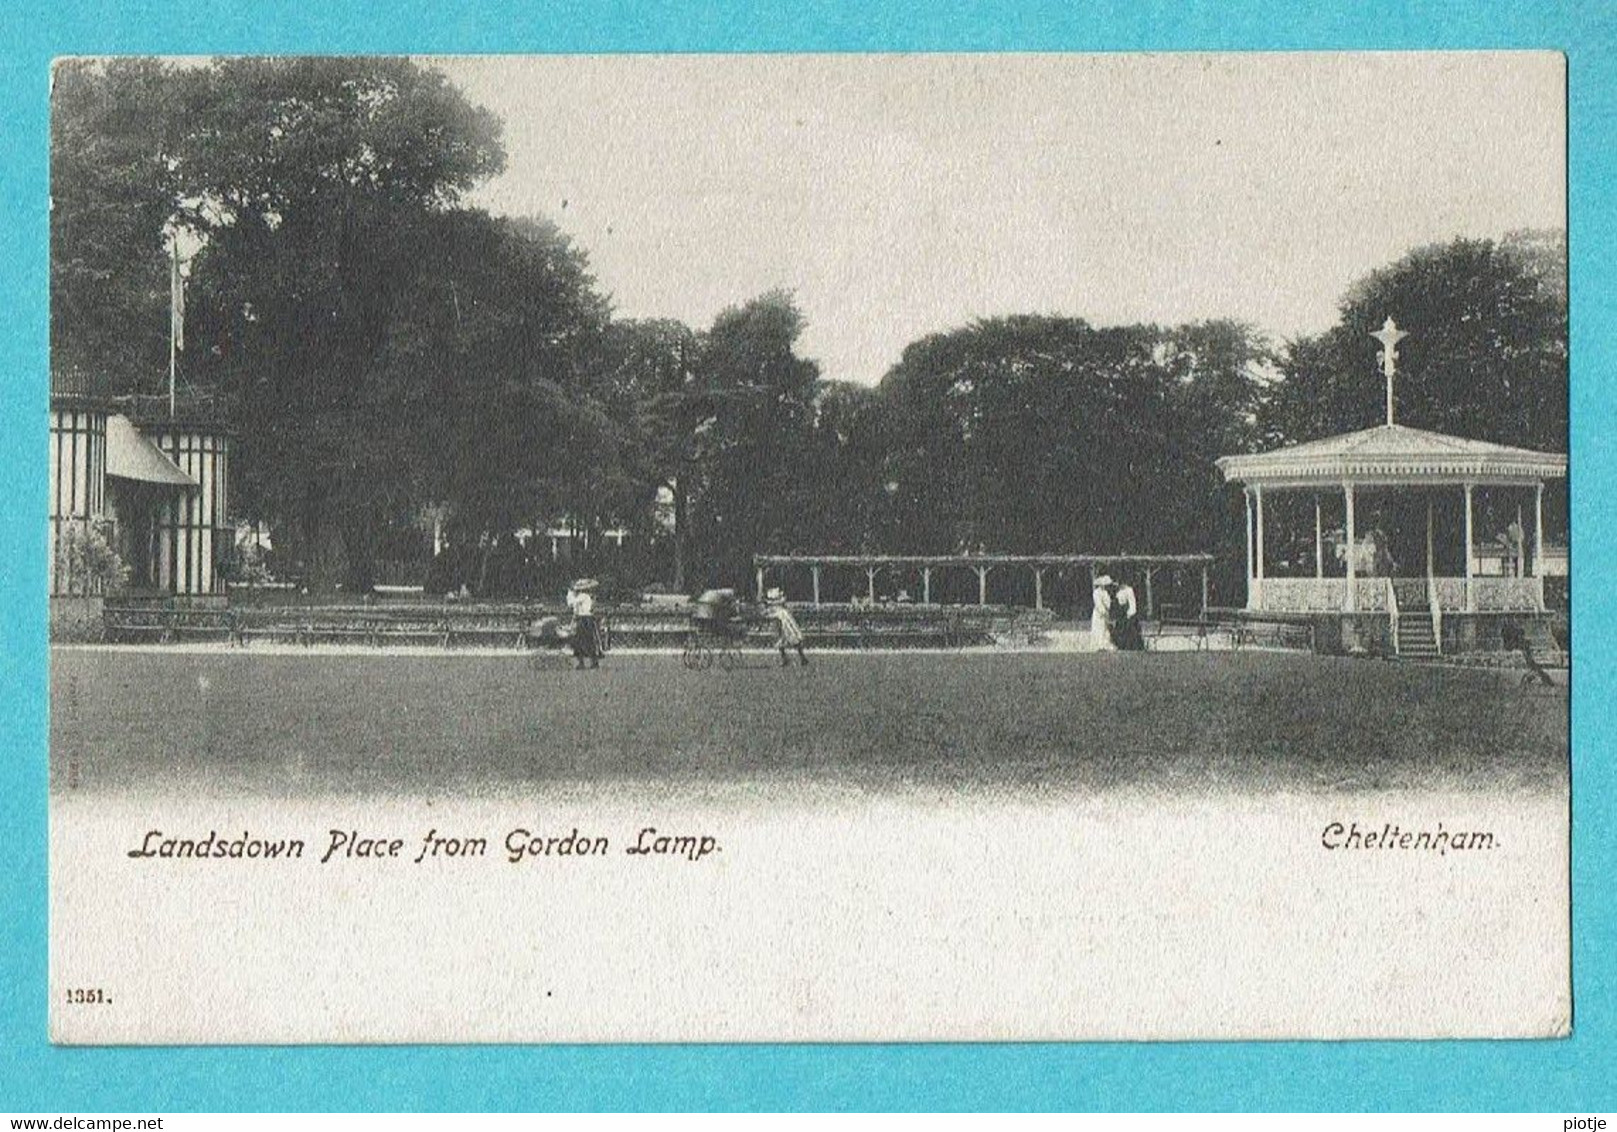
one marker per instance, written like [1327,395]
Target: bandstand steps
[1415,637]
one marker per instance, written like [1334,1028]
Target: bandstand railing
[1489,594]
[1436,608]
[1390,596]
[1507,595]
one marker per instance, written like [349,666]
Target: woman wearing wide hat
[1100,617]
[586,628]
[788,634]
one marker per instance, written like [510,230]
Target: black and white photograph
[853,548]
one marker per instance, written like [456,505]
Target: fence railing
[512,624]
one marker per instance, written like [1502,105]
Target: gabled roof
[1395,452]
[131,456]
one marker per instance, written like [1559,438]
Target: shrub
[88,560]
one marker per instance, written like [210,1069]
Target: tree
[1038,434]
[754,402]
[113,191]
[1486,356]
[482,378]
[647,376]
[843,502]
[314,184]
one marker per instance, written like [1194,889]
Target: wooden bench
[1194,629]
[1258,630]
[125,624]
[306,627]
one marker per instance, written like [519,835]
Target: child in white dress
[788,634]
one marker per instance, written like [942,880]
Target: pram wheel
[696,655]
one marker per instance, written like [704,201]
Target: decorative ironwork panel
[1303,595]
[1371,595]
[1499,595]
[1450,593]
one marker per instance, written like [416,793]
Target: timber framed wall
[191,532]
[78,485]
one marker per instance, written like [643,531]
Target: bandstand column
[760,583]
[1319,540]
[1350,601]
[815,572]
[1538,543]
[1521,543]
[1429,555]
[1038,587]
[1260,539]
[926,585]
[1251,589]
[1470,542]
[982,585]
[870,584]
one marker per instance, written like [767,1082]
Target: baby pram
[551,633]
[717,630]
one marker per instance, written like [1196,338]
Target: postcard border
[1551,1075]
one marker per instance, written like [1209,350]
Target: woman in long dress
[586,628]
[1100,618]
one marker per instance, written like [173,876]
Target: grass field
[318,725]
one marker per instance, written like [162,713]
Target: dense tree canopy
[1486,355]
[1039,434]
[114,190]
[387,352]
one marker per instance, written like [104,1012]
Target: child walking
[788,635]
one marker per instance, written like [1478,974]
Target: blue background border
[1564,1075]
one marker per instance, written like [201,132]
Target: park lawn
[236,722]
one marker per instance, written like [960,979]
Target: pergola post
[1470,542]
[760,583]
[982,584]
[1038,587]
[1319,540]
[1251,589]
[1204,591]
[1150,605]
[1351,600]
[814,570]
[926,585]
[870,584]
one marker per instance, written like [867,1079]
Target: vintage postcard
[831,548]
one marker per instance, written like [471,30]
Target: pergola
[982,565]
[1398,466]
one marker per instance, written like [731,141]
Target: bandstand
[1414,542]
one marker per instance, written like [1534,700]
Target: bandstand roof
[1394,453]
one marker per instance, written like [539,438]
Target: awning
[131,456]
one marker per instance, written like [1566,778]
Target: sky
[901,195]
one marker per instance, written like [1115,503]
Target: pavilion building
[153,484]
[1410,542]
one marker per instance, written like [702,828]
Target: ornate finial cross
[1389,336]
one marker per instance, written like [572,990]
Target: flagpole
[173,317]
